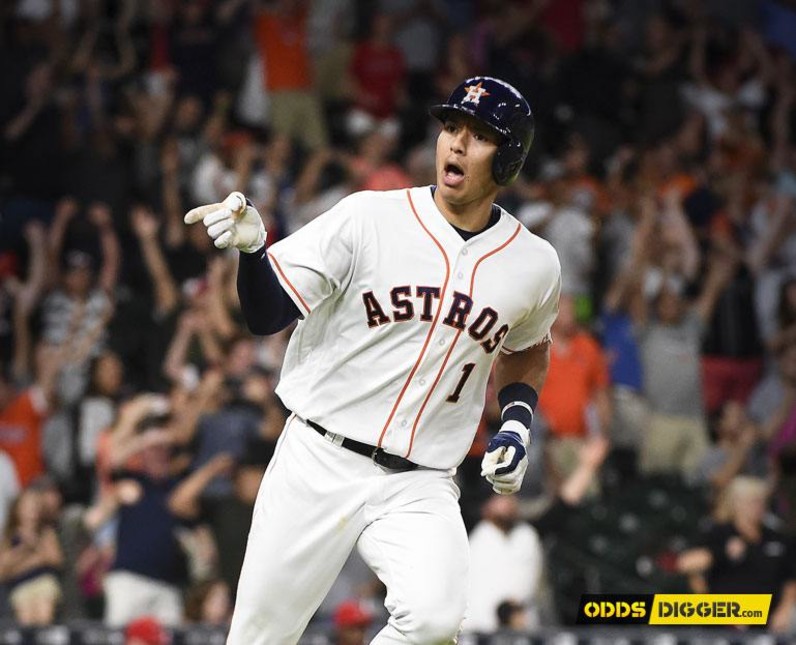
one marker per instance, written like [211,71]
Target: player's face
[465,149]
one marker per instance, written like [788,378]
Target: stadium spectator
[575,401]
[30,121]
[324,180]
[281,35]
[564,220]
[661,69]
[22,414]
[372,168]
[738,450]
[785,331]
[377,75]
[732,360]
[506,562]
[19,299]
[145,631]
[741,554]
[671,331]
[194,49]
[351,622]
[621,344]
[511,617]
[150,565]
[772,399]
[9,490]
[30,561]
[665,135]
[208,603]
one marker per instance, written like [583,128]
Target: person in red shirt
[377,74]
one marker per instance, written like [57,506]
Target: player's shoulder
[528,242]
[364,198]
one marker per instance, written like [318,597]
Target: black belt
[383,459]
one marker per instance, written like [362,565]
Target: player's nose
[459,141]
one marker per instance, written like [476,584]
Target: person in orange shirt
[280,31]
[575,401]
[22,415]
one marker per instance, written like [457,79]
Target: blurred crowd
[137,414]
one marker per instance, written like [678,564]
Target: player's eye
[450,127]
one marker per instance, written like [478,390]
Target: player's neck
[472,216]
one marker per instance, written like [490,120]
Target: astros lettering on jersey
[370,271]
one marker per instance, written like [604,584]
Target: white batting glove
[506,458]
[232,223]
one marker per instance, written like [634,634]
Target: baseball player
[406,300]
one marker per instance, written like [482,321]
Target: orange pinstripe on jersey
[289,283]
[458,333]
[433,323]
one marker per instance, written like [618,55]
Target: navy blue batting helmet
[501,107]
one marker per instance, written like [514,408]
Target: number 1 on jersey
[466,371]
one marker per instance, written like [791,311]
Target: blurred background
[137,415]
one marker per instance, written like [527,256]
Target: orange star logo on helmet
[474,93]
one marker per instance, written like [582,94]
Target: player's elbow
[264,317]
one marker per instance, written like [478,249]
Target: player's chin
[452,194]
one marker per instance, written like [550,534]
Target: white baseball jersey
[403,319]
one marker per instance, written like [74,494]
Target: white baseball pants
[317,501]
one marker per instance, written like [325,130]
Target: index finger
[198,214]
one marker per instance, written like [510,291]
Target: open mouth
[452,175]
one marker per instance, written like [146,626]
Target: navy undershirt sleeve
[266,306]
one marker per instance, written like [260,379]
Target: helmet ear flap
[507,163]
[510,155]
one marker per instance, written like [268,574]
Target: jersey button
[464,251]
[403,423]
[441,341]
[460,275]
[422,381]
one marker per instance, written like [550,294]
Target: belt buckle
[374,456]
[335,439]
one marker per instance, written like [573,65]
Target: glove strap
[259,245]
[515,427]
[261,237]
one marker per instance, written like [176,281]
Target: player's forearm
[528,367]
[266,308]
